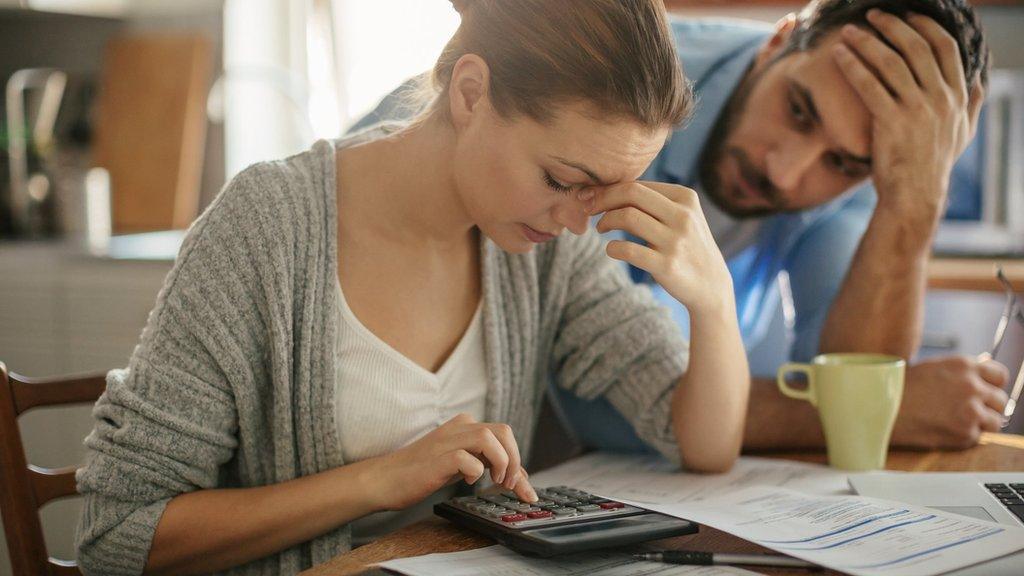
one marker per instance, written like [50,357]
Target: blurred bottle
[33,98]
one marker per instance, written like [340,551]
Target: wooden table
[996,452]
[974,273]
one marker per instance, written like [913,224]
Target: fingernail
[532,494]
[499,477]
[851,30]
[586,195]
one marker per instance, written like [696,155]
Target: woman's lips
[536,235]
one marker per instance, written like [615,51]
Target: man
[792,124]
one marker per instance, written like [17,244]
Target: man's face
[794,135]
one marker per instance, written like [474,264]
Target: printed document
[803,510]
[651,478]
[852,534]
[500,561]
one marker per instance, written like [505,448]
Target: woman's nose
[574,211]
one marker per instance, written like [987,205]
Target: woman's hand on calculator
[461,448]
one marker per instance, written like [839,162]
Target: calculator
[563,520]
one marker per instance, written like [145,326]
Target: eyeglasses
[1011,312]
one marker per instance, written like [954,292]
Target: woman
[354,329]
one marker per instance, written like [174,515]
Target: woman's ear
[783,29]
[468,89]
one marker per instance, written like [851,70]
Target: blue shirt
[814,247]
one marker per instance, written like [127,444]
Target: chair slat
[32,392]
[50,483]
[22,527]
[25,488]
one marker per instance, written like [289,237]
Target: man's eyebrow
[590,173]
[808,101]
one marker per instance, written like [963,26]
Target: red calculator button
[513,517]
[539,514]
[612,505]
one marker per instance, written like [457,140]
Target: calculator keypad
[556,505]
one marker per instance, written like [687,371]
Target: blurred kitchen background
[124,118]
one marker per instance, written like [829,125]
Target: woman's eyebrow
[590,173]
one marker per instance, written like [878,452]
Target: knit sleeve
[615,341]
[167,423]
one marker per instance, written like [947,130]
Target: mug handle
[788,390]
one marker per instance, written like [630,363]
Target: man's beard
[716,151]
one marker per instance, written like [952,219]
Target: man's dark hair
[958,18]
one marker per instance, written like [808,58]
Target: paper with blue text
[799,509]
[852,534]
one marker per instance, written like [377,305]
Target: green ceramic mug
[857,397]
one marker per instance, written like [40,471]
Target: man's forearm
[880,305]
[917,131]
[775,422]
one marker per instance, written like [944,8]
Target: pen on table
[715,558]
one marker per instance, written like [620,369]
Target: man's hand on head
[923,113]
[949,401]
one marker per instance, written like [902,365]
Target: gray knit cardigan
[232,383]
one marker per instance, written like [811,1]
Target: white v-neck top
[384,401]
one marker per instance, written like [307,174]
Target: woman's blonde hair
[617,55]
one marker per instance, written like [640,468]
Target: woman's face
[519,180]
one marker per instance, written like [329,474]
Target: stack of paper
[793,508]
[856,535]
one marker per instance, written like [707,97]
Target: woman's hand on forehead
[680,252]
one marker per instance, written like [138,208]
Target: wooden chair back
[25,488]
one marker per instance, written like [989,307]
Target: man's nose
[789,161]
[572,213]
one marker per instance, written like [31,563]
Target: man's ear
[468,88]
[783,29]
